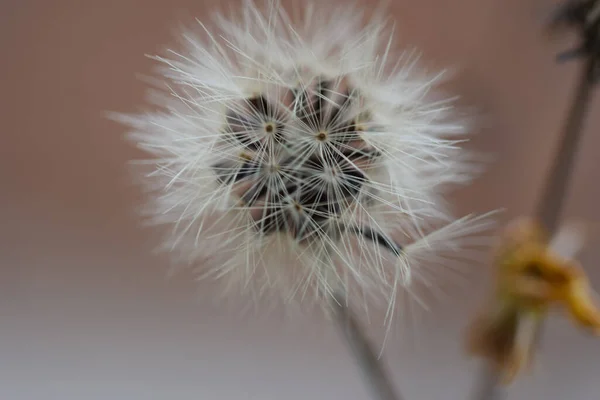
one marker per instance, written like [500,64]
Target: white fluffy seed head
[298,156]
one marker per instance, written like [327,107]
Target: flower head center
[273,168]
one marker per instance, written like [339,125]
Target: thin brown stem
[488,386]
[553,197]
[552,200]
[370,365]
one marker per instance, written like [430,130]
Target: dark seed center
[322,186]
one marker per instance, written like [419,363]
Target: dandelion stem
[488,385]
[366,358]
[371,366]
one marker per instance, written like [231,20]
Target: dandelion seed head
[300,156]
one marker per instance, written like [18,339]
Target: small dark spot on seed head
[322,136]
[297,206]
[269,128]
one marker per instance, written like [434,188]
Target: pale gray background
[85,309]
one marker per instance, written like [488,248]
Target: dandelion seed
[301,158]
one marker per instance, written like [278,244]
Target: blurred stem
[488,384]
[371,367]
[551,203]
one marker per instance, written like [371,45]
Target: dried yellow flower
[531,278]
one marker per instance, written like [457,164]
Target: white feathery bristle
[298,156]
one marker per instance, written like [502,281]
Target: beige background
[85,309]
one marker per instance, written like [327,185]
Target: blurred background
[86,309]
